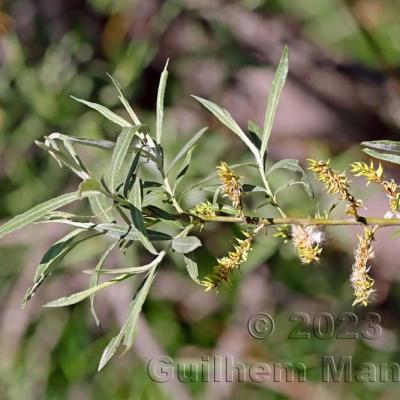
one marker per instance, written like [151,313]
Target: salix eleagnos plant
[127,207]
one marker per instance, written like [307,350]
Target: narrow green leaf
[64,159]
[97,143]
[118,156]
[131,176]
[160,213]
[273,98]
[40,211]
[54,255]
[290,164]
[383,145]
[142,130]
[114,230]
[185,244]
[137,304]
[216,194]
[154,197]
[137,195]
[101,207]
[160,102]
[393,158]
[155,236]
[84,294]
[186,148]
[55,139]
[56,251]
[111,349]
[253,127]
[191,267]
[94,280]
[55,215]
[247,188]
[124,102]
[225,117]
[137,217]
[130,270]
[104,144]
[129,329]
[308,186]
[106,112]
[185,168]
[292,183]
[90,184]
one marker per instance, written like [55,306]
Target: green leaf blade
[273,98]
[111,116]
[390,157]
[129,270]
[94,280]
[101,207]
[124,101]
[290,164]
[53,257]
[128,332]
[225,117]
[114,230]
[137,217]
[191,267]
[136,308]
[160,103]
[118,156]
[390,146]
[185,244]
[38,212]
[84,294]
[110,350]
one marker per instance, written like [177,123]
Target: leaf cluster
[127,207]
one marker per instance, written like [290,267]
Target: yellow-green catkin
[226,265]
[373,175]
[335,183]
[392,192]
[307,242]
[231,186]
[368,171]
[205,208]
[283,232]
[361,281]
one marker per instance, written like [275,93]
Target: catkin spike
[373,175]
[361,281]
[368,171]
[231,185]
[335,183]
[226,265]
[307,242]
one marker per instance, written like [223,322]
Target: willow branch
[381,222]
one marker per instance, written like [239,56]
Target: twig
[381,222]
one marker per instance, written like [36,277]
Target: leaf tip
[166,65]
